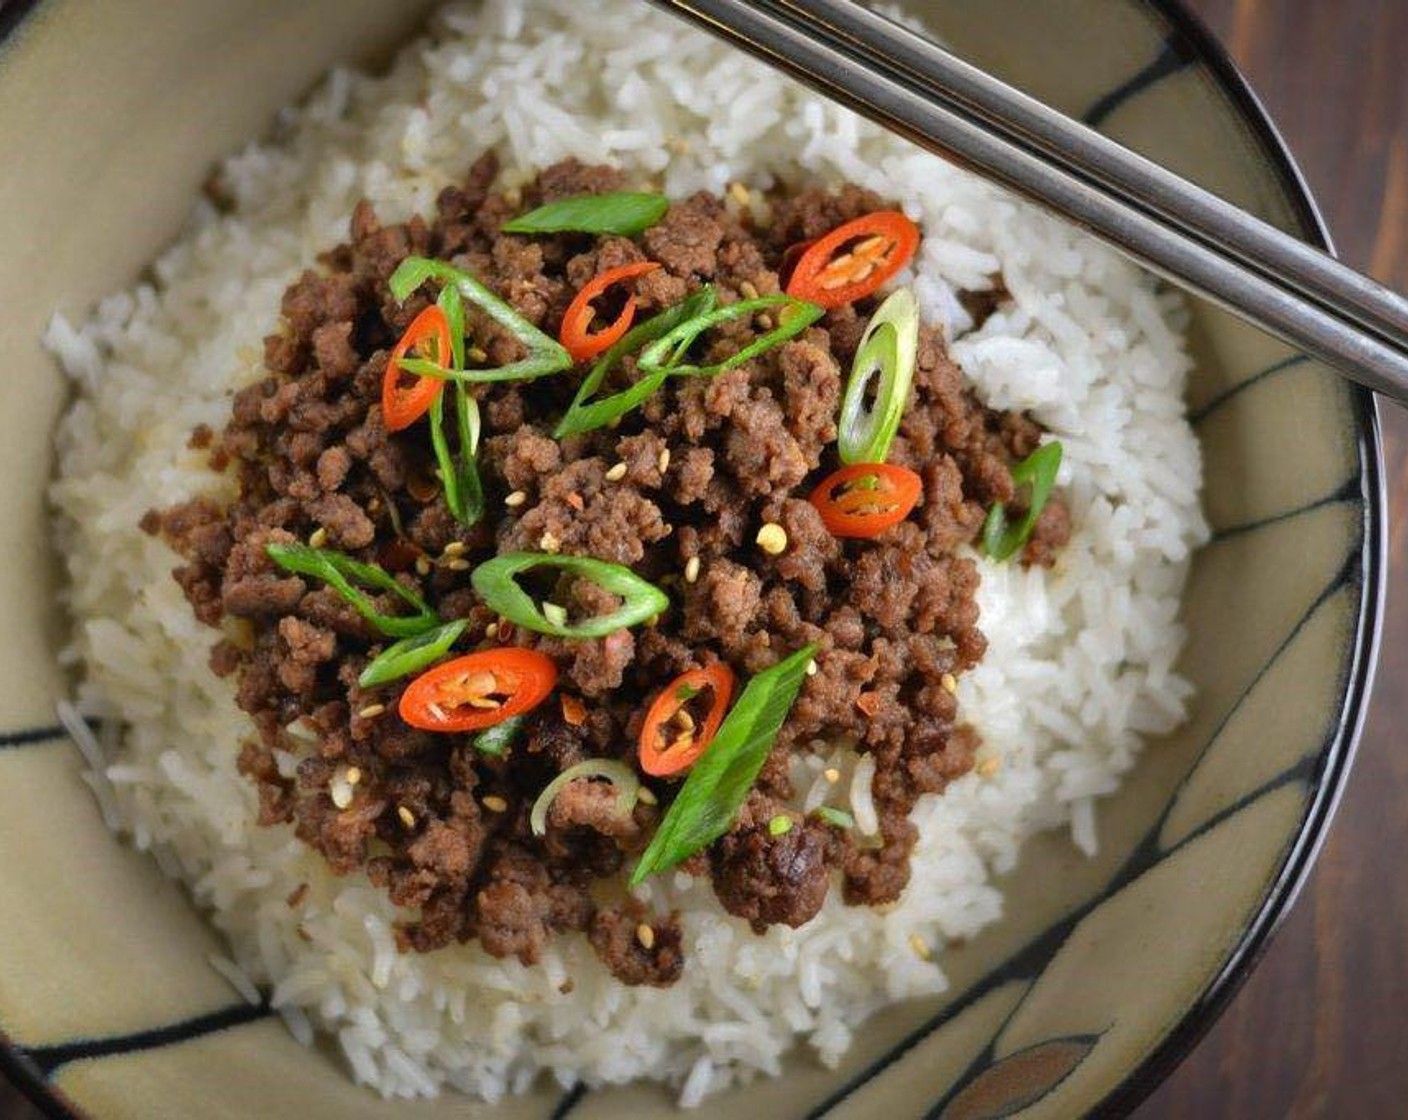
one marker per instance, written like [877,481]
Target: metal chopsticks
[1185,233]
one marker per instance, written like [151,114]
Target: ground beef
[677,491]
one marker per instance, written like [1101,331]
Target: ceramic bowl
[1104,972]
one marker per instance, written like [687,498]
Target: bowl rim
[1206,51]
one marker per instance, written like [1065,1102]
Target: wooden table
[1321,1028]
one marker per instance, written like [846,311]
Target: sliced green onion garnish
[411,654]
[497,739]
[780,825]
[496,583]
[620,775]
[793,317]
[585,414]
[545,354]
[1037,470]
[341,572]
[707,803]
[464,493]
[626,213]
[889,348]
[837,818]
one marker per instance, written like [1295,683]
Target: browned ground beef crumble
[444,828]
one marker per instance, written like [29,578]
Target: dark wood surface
[1321,1027]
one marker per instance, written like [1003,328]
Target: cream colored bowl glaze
[1104,971]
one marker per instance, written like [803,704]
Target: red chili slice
[478,690]
[576,333]
[664,755]
[884,242]
[848,510]
[403,405]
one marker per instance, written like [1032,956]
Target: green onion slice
[626,213]
[666,353]
[620,775]
[837,818]
[464,492]
[888,349]
[495,581]
[1037,470]
[545,354]
[585,414]
[411,654]
[497,739]
[341,573]
[705,807]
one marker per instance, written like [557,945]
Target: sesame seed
[739,193]
[454,548]
[647,795]
[832,775]
[748,290]
[949,682]
[646,936]
[319,538]
[422,566]
[921,950]
[516,499]
[780,825]
[495,804]
[772,539]
[492,630]
[407,817]
[477,354]
[616,473]
[663,463]
[371,711]
[812,668]
[458,565]
[354,775]
[549,543]
[691,569]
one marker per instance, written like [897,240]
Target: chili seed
[476,354]
[921,950]
[354,775]
[989,766]
[516,499]
[812,668]
[458,565]
[646,936]
[949,683]
[549,543]
[647,795]
[616,473]
[832,775]
[765,322]
[691,569]
[739,193]
[495,804]
[663,463]
[454,548]
[407,817]
[318,538]
[371,711]
[422,566]
[492,630]
[772,539]
[748,290]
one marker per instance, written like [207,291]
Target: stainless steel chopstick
[1087,152]
[887,91]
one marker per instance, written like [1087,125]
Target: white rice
[1081,659]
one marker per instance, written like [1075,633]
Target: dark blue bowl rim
[1338,755]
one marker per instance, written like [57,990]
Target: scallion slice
[837,818]
[545,354]
[410,655]
[341,572]
[496,582]
[620,775]
[888,349]
[707,803]
[464,492]
[1038,470]
[585,414]
[497,739]
[666,353]
[625,213]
